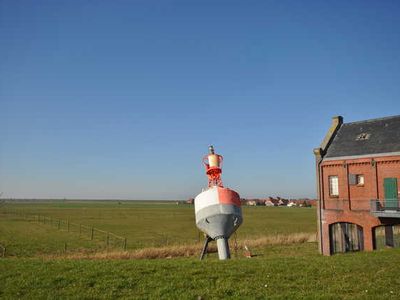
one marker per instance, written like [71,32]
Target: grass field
[144,224]
[293,271]
[289,272]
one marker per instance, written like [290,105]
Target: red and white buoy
[218,210]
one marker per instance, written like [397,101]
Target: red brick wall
[334,169]
[365,220]
[353,203]
[360,196]
[387,168]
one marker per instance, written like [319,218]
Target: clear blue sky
[120,99]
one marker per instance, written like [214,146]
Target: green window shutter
[390,187]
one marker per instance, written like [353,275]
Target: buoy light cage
[213,165]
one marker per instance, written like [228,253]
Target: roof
[376,136]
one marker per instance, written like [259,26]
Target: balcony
[388,208]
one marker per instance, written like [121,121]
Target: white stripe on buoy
[206,198]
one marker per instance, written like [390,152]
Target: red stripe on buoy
[227,196]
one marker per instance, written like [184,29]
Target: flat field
[144,224]
[294,271]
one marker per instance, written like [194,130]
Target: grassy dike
[279,272]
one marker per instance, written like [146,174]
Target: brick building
[358,171]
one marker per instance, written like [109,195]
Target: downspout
[319,153]
[318,158]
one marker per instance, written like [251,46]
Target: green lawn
[285,272]
[293,271]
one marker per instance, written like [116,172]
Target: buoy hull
[218,212]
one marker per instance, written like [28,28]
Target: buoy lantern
[218,209]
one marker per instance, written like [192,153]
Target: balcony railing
[388,208]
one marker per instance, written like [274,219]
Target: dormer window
[363,136]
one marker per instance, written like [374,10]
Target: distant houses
[271,201]
[278,201]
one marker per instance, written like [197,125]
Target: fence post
[92,234]
[59,224]
[124,244]
[108,239]
[80,230]
[68,225]
[65,246]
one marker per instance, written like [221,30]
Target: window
[333,186]
[363,136]
[356,179]
[360,180]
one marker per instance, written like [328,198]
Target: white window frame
[360,179]
[333,181]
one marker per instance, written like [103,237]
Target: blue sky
[120,99]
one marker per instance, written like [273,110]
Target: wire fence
[83,231]
[2,250]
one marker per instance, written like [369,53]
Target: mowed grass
[36,268]
[286,272]
[144,224]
